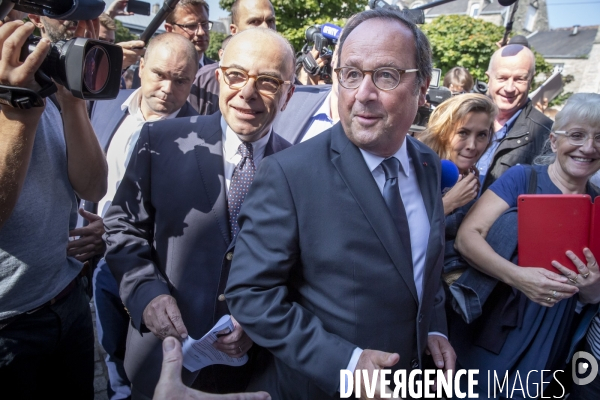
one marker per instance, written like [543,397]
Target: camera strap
[24,98]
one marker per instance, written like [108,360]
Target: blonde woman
[460,130]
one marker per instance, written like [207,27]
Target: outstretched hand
[170,387]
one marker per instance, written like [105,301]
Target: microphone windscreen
[506,2]
[331,31]
[449,175]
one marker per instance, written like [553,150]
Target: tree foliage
[293,16]
[123,34]
[216,39]
[460,40]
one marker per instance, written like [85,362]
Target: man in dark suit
[117,124]
[245,14]
[172,225]
[310,104]
[339,258]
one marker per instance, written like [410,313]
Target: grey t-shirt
[34,266]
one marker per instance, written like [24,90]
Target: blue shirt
[486,159]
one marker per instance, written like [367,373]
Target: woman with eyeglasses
[460,130]
[527,321]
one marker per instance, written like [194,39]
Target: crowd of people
[308,213]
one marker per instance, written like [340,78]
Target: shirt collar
[201,61]
[325,108]
[231,142]
[132,105]
[374,161]
[509,124]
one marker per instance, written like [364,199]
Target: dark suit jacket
[295,120]
[167,232]
[318,270]
[107,116]
[204,96]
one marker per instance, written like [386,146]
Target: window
[474,12]
[530,18]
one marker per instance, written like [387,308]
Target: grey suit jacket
[318,271]
[167,232]
[295,120]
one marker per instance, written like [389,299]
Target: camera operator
[46,335]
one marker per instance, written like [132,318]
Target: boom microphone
[506,3]
[449,175]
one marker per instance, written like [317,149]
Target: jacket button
[221,297]
[414,364]
[229,256]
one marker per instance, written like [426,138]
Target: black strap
[532,180]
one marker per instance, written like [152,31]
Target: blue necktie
[393,200]
[242,178]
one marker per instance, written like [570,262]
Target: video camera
[89,69]
[323,38]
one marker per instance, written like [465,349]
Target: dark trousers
[111,324]
[50,352]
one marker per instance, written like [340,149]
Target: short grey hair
[423,48]
[172,41]
[581,107]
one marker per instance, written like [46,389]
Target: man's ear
[36,20]
[233,29]
[141,67]
[168,27]
[288,97]
[423,92]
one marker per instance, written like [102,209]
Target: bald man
[520,129]
[245,14]
[171,229]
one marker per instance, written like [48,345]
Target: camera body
[323,38]
[89,69]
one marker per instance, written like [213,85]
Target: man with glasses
[339,258]
[245,14]
[190,19]
[172,225]
[521,130]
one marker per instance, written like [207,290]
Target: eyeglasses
[579,138]
[236,78]
[384,78]
[193,28]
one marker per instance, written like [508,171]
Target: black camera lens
[95,69]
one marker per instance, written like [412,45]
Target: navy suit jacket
[318,270]
[167,232]
[295,120]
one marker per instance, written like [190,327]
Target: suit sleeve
[259,293]
[129,226]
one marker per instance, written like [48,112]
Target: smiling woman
[460,130]
[541,303]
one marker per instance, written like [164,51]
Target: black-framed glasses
[193,28]
[579,138]
[237,78]
[384,78]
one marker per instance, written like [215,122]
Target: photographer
[46,335]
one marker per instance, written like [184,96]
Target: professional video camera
[90,69]
[323,38]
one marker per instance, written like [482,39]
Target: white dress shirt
[231,156]
[418,221]
[321,120]
[122,145]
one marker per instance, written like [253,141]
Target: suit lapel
[351,165]
[209,155]
[111,128]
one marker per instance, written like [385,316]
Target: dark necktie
[393,200]
[238,187]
